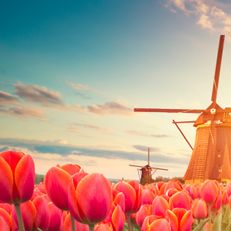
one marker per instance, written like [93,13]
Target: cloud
[144,134]
[145,148]
[110,108]
[77,126]
[209,15]
[22,112]
[38,94]
[80,88]
[6,98]
[67,149]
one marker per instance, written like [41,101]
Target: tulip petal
[6,182]
[12,158]
[25,177]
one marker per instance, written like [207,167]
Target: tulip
[153,223]
[4,214]
[103,227]
[159,206]
[147,196]
[67,226]
[132,194]
[17,176]
[184,219]
[199,209]
[209,191]
[119,199]
[180,200]
[160,224]
[118,218]
[57,181]
[48,215]
[144,211]
[91,201]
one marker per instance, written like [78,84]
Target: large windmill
[147,171]
[211,155]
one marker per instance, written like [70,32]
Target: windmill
[211,155]
[147,171]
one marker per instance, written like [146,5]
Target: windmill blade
[217,70]
[168,110]
[165,169]
[134,165]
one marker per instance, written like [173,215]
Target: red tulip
[17,175]
[91,201]
[209,191]
[180,200]
[28,214]
[4,214]
[159,206]
[57,181]
[199,209]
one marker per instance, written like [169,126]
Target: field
[67,198]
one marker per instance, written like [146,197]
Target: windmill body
[211,155]
[147,171]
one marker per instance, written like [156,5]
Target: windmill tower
[147,171]
[211,155]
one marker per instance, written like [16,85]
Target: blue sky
[71,74]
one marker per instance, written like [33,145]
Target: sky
[71,74]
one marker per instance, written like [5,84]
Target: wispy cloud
[110,108]
[7,98]
[145,134]
[38,94]
[81,90]
[145,148]
[22,112]
[210,15]
[76,127]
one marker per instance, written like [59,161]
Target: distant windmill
[211,155]
[147,171]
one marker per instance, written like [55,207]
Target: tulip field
[70,199]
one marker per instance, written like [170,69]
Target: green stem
[73,228]
[19,216]
[130,226]
[91,227]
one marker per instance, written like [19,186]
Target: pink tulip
[180,200]
[91,201]
[209,191]
[199,209]
[4,214]
[48,215]
[143,212]
[147,196]
[159,206]
[17,176]
[119,199]
[66,223]
[132,193]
